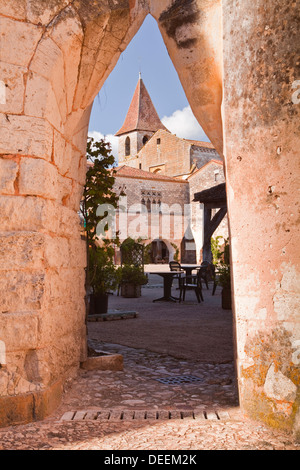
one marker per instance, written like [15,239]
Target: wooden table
[168,277]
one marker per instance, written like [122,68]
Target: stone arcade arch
[55,56]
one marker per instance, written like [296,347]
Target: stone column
[42,173]
[261,130]
[54,57]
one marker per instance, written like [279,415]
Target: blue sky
[146,54]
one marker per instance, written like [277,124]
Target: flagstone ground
[165,341]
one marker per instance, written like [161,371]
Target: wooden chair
[208,273]
[191,282]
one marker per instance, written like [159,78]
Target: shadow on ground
[199,332]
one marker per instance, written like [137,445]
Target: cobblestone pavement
[169,396]
[136,411]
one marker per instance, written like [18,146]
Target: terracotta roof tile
[142,115]
[200,143]
[131,172]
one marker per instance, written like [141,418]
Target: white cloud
[184,124]
[114,141]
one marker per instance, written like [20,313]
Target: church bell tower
[141,122]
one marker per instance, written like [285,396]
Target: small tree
[98,191]
[99,186]
[221,259]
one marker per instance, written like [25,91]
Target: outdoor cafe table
[188,268]
[168,281]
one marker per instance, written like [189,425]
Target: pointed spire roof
[142,115]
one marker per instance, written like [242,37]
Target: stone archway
[55,56]
[162,251]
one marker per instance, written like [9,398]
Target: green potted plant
[132,279]
[104,276]
[101,274]
[221,259]
[224,280]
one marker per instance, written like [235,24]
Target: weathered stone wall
[136,143]
[174,197]
[166,149]
[202,155]
[261,123]
[55,56]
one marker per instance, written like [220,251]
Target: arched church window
[145,139]
[148,205]
[127,146]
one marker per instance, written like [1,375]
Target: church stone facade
[159,173]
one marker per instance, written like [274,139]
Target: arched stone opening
[161,252]
[145,139]
[127,146]
[54,60]
[188,254]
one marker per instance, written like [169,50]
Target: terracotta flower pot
[98,304]
[130,290]
[226,298]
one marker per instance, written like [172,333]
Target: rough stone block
[16,410]
[21,250]
[63,321]
[8,174]
[19,213]
[76,128]
[68,222]
[38,178]
[41,101]
[18,41]
[65,285]
[21,291]
[67,33]
[82,170]
[14,9]
[77,253]
[104,362]
[13,78]
[30,407]
[62,354]
[57,253]
[67,159]
[44,12]
[19,331]
[23,135]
